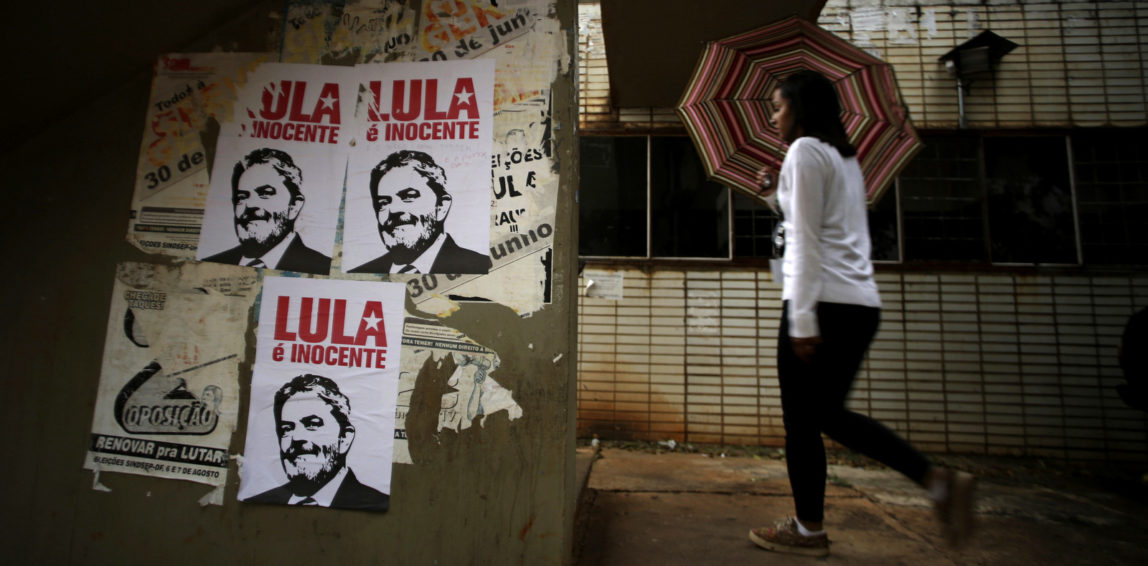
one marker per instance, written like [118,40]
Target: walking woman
[830,314]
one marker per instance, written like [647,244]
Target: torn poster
[277,180]
[356,31]
[418,181]
[321,425]
[473,394]
[168,394]
[307,30]
[524,181]
[522,262]
[191,95]
[602,284]
[524,189]
[467,28]
[191,276]
[376,30]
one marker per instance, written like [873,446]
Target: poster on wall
[191,95]
[418,179]
[321,425]
[277,180]
[473,393]
[168,392]
[529,52]
[465,32]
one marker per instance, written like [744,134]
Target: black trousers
[813,402]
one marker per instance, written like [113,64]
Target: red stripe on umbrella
[725,111]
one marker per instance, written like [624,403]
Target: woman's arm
[806,169]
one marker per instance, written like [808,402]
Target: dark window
[1029,200]
[690,214]
[753,224]
[616,196]
[967,197]
[1111,168]
[942,203]
[883,227]
[612,197]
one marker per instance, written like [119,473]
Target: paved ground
[645,507]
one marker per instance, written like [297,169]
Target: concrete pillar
[499,492]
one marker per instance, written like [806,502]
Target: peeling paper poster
[191,95]
[524,191]
[168,394]
[307,30]
[464,29]
[604,284]
[358,31]
[321,425]
[278,174]
[473,395]
[418,181]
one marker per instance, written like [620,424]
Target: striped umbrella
[726,105]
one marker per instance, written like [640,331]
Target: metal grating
[1078,64]
[963,363]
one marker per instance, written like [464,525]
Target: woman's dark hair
[816,110]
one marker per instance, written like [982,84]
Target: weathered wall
[980,364]
[1078,63]
[965,362]
[499,492]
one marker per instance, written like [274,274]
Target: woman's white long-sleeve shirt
[822,199]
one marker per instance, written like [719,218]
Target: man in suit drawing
[267,198]
[408,191]
[312,418]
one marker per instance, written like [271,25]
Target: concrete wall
[499,492]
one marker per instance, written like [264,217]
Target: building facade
[1010,254]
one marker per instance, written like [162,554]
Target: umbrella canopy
[726,106]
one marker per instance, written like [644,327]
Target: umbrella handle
[765,178]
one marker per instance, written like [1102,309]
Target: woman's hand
[764,178]
[767,180]
[805,347]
